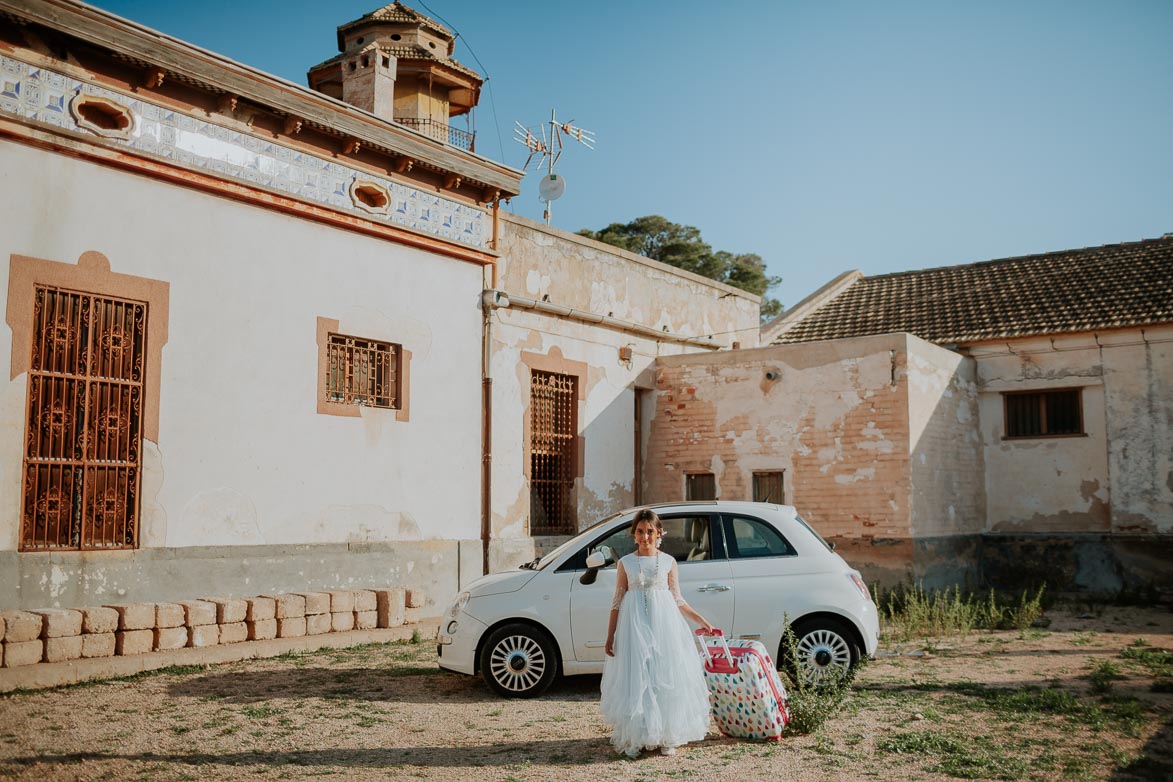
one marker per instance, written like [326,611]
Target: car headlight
[458,605]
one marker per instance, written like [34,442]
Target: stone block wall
[58,635]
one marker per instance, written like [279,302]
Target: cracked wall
[1118,475]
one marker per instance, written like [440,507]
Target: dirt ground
[1066,702]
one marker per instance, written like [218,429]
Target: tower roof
[395,13]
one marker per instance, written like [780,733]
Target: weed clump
[914,612]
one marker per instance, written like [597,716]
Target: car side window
[689,539]
[748,537]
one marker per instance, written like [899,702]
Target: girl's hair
[648,515]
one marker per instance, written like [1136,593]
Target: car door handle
[714,588]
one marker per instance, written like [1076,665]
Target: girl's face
[646,535]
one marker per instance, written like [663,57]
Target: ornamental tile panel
[41,95]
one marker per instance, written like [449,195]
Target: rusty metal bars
[553,453]
[84,422]
[362,372]
[441,131]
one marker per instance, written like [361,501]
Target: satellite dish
[551,187]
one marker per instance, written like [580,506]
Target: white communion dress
[653,691]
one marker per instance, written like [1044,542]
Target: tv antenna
[546,145]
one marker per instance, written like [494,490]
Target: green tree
[681,246]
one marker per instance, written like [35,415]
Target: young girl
[654,692]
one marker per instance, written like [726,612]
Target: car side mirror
[595,561]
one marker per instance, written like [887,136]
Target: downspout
[487,403]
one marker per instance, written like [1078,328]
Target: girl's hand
[708,628]
[610,647]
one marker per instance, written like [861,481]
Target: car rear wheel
[519,661]
[825,650]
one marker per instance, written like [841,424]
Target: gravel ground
[1007,705]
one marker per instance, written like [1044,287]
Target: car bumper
[456,643]
[871,629]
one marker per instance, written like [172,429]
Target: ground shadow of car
[1155,761]
[415,684]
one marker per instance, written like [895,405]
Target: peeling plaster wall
[948,488]
[243,458]
[547,264]
[1116,476]
[832,415]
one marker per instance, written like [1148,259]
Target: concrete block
[364,600]
[59,622]
[415,598]
[97,644]
[291,627]
[198,613]
[288,606]
[134,641]
[229,610]
[316,602]
[170,615]
[99,620]
[203,635]
[233,632]
[170,638]
[342,621]
[260,609]
[62,648]
[135,616]
[391,605]
[366,620]
[316,624]
[18,653]
[22,626]
[341,601]
[262,629]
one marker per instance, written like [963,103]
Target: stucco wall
[243,458]
[545,264]
[948,487]
[1113,478]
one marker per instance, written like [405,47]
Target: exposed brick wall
[834,417]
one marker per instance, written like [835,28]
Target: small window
[102,116]
[362,372]
[768,487]
[1044,413]
[748,537]
[700,486]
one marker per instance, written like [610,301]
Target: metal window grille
[84,422]
[768,487]
[362,372]
[700,486]
[1044,413]
[553,452]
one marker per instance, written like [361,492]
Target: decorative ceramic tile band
[30,92]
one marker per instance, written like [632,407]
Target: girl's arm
[685,608]
[620,591]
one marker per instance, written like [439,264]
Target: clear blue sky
[822,135]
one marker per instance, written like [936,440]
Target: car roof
[728,505]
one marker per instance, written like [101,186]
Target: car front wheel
[825,650]
[519,661]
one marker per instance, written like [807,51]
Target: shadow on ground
[1155,761]
[414,685]
[567,752]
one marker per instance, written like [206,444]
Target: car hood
[500,583]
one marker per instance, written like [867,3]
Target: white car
[747,567]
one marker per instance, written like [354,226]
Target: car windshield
[543,562]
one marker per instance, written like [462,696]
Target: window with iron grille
[362,371]
[700,486]
[553,452]
[768,487]
[84,427]
[1044,413]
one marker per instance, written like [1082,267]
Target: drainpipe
[494,299]
[486,434]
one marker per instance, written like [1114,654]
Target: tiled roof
[408,52]
[398,13]
[1114,286]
